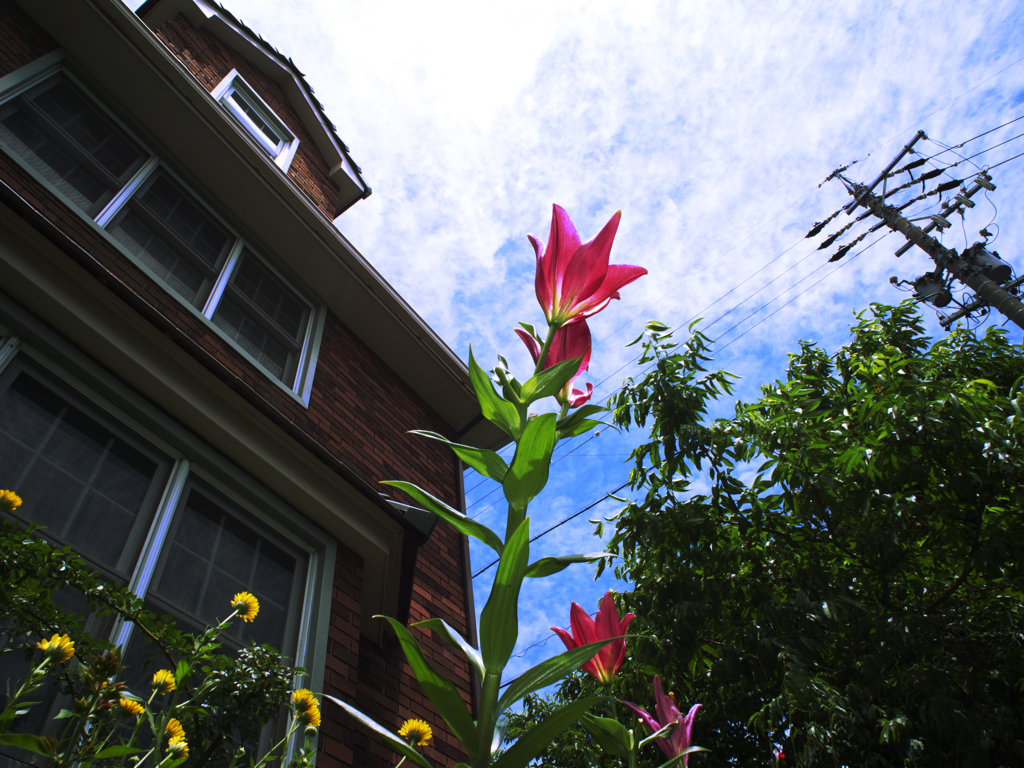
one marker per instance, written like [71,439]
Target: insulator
[818,226]
[915,164]
[829,240]
[843,250]
[984,183]
[931,174]
[933,290]
[965,201]
[948,185]
[940,221]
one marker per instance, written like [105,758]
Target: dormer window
[257,118]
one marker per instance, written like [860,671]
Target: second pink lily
[681,737]
[605,665]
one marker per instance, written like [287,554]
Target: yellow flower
[163,681]
[307,710]
[9,501]
[177,748]
[58,648]
[174,730]
[415,733]
[245,606]
[130,706]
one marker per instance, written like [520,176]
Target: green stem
[552,329]
[609,705]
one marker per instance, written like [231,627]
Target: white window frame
[300,385]
[233,89]
[190,458]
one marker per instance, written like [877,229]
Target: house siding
[359,411]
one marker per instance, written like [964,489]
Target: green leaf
[453,517]
[581,413]
[450,636]
[389,738]
[581,427]
[487,463]
[499,620]
[29,741]
[611,735]
[181,673]
[550,380]
[116,751]
[439,689]
[529,471]
[537,738]
[496,410]
[680,757]
[551,671]
[549,565]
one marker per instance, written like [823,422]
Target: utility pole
[977,268]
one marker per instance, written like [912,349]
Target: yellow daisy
[130,706]
[163,681]
[415,733]
[58,648]
[9,501]
[174,730]
[177,748]
[307,710]
[245,605]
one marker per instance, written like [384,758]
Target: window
[258,119]
[143,513]
[74,146]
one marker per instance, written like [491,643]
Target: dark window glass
[64,136]
[173,235]
[264,316]
[93,489]
[211,555]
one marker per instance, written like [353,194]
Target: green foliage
[222,701]
[837,570]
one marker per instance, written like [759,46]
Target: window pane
[269,134]
[91,489]
[174,236]
[212,556]
[264,289]
[71,143]
[239,322]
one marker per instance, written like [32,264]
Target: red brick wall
[21,39]
[210,61]
[359,411]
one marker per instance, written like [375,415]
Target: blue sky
[710,125]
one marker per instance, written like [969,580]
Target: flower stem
[552,330]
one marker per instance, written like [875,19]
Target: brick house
[201,380]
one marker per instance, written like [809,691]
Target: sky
[709,125]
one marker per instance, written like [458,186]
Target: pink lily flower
[605,665]
[680,738]
[570,342]
[575,281]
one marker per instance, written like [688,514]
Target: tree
[836,571]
